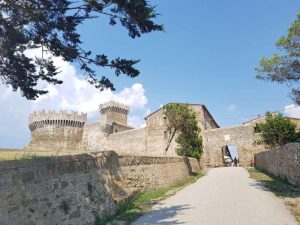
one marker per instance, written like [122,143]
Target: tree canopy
[182,120]
[284,67]
[276,131]
[52,26]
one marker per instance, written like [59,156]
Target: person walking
[235,161]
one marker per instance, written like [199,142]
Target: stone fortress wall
[56,130]
[77,189]
[242,137]
[130,142]
[70,132]
[283,161]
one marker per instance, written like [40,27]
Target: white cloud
[74,94]
[147,112]
[231,108]
[292,111]
[134,96]
[136,121]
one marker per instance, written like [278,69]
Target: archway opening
[230,155]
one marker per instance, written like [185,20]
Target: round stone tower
[114,112]
[55,131]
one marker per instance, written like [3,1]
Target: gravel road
[225,196]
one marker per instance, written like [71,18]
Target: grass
[280,187]
[22,155]
[6,155]
[138,205]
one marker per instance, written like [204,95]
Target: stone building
[51,131]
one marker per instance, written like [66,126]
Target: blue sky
[206,55]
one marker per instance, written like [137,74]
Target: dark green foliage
[182,120]
[190,145]
[89,187]
[51,25]
[276,131]
[284,67]
[99,221]
[90,190]
[64,206]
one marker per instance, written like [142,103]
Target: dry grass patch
[281,188]
[20,154]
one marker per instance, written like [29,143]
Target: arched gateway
[242,137]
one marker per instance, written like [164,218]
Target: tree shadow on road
[162,216]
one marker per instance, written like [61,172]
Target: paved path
[225,196]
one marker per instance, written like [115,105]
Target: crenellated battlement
[62,118]
[114,107]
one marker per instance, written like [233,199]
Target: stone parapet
[114,107]
[63,118]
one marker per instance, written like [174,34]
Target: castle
[95,180]
[62,131]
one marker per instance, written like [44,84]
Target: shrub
[276,131]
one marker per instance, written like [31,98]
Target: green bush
[276,131]
[64,206]
[182,121]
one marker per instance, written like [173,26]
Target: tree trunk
[169,142]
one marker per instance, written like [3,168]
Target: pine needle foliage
[52,27]
[284,66]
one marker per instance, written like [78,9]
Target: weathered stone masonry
[69,132]
[242,137]
[37,191]
[56,130]
[111,133]
[283,161]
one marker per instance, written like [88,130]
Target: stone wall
[283,161]
[128,142]
[56,138]
[77,189]
[117,127]
[205,119]
[157,135]
[94,137]
[56,130]
[149,173]
[242,137]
